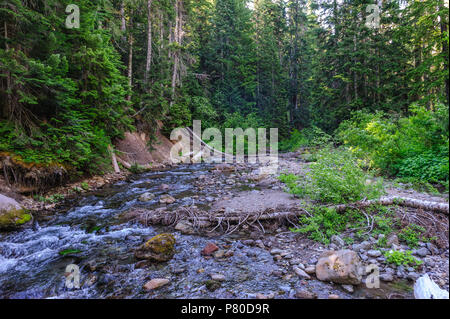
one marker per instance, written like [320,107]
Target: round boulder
[159,248]
[342,267]
[12,214]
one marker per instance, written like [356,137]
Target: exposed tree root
[31,177]
[229,222]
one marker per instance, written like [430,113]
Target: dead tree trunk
[149,42]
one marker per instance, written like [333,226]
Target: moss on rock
[13,218]
[159,248]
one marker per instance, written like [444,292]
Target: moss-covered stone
[212,285]
[159,248]
[13,218]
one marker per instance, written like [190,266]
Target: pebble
[276,251]
[348,288]
[413,276]
[146,197]
[422,252]
[374,253]
[219,254]
[386,277]
[310,270]
[156,283]
[166,199]
[333,296]
[338,241]
[301,273]
[305,294]
[429,262]
[218,277]
[262,296]
[209,249]
[178,270]
[433,249]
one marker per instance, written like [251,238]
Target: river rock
[374,253]
[276,251]
[305,294]
[12,214]
[219,254]
[146,197]
[224,167]
[301,273]
[338,241]
[185,227]
[166,199]
[218,277]
[209,249]
[422,252]
[348,288]
[310,270]
[432,248]
[156,283]
[342,267]
[392,240]
[387,277]
[164,187]
[159,248]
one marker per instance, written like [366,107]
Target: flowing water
[93,236]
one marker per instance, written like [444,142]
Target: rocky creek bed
[98,234]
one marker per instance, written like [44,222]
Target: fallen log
[401,201]
[205,219]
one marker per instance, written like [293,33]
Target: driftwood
[401,201]
[114,159]
[229,222]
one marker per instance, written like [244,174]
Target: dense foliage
[301,66]
[334,178]
[414,146]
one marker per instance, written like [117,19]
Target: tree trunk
[130,63]
[130,66]
[7,108]
[177,38]
[114,159]
[444,30]
[149,42]
[123,26]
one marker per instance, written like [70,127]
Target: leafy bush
[412,234]
[324,222]
[312,136]
[415,146]
[402,258]
[335,178]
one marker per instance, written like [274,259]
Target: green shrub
[414,146]
[312,137]
[412,234]
[323,222]
[402,258]
[335,178]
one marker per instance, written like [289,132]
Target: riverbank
[101,228]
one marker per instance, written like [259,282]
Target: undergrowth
[335,177]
